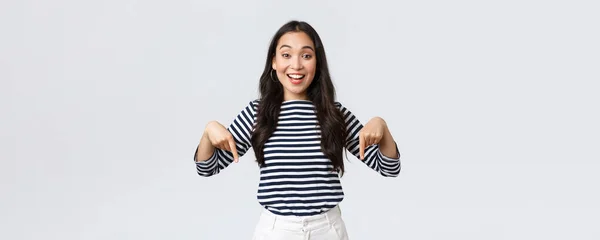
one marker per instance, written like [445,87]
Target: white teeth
[296,76]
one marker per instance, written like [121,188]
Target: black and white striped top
[297,178]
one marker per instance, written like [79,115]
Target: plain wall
[494,105]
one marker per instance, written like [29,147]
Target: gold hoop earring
[271,75]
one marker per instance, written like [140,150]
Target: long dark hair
[321,93]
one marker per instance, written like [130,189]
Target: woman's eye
[285,55]
[307,56]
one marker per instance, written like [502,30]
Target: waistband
[303,223]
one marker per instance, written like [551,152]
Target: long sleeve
[241,128]
[386,166]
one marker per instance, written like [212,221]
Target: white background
[494,107]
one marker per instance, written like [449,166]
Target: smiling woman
[295,64]
[298,132]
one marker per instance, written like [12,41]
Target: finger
[374,139]
[361,144]
[224,145]
[370,139]
[233,149]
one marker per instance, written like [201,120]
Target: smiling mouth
[296,76]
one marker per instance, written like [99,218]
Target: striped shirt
[297,178]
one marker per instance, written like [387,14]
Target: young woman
[298,132]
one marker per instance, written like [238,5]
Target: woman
[298,132]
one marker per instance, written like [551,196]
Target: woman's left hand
[370,134]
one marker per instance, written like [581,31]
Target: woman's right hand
[221,138]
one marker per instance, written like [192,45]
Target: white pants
[325,226]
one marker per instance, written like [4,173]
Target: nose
[296,63]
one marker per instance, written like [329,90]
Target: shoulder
[254,103]
[337,104]
[340,106]
[251,106]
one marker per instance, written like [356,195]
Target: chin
[297,91]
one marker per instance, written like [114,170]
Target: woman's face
[295,63]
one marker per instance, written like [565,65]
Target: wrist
[209,124]
[381,122]
[204,136]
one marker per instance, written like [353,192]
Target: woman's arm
[205,148]
[372,143]
[211,159]
[386,142]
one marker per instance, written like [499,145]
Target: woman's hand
[221,138]
[371,133]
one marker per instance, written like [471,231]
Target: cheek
[311,66]
[280,66]
[278,63]
[312,69]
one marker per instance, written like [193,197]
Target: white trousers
[325,226]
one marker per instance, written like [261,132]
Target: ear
[273,65]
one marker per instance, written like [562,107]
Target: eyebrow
[309,47]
